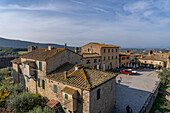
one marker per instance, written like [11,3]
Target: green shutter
[66,96]
[55,89]
[38,82]
[43,84]
[98,94]
[40,66]
[27,79]
[24,65]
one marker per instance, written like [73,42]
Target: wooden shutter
[55,89]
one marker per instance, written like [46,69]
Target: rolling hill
[23,44]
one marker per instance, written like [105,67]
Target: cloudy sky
[128,23]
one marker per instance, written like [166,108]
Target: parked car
[128,71]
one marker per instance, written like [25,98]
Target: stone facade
[33,76]
[109,54]
[124,60]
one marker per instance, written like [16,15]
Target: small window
[95,60]
[116,57]
[88,49]
[27,79]
[104,58]
[116,50]
[112,50]
[66,96]
[159,62]
[104,50]
[108,50]
[55,89]
[108,57]
[99,60]
[127,57]
[88,62]
[112,57]
[38,82]
[40,66]
[43,84]
[24,65]
[98,94]
[145,61]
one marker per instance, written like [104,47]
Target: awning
[69,90]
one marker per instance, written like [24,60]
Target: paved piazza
[134,90]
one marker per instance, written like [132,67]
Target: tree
[39,109]
[23,102]
[165,77]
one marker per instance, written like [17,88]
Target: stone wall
[92,64]
[106,102]
[109,59]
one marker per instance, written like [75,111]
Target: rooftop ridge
[84,76]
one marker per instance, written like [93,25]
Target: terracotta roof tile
[104,45]
[42,53]
[83,77]
[69,90]
[52,103]
[17,61]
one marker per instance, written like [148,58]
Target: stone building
[56,74]
[124,59]
[151,61]
[108,55]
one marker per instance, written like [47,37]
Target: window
[112,50]
[24,65]
[95,60]
[38,82]
[88,62]
[66,96]
[145,61]
[108,50]
[127,57]
[55,89]
[104,50]
[99,60]
[151,62]
[159,62]
[40,66]
[104,58]
[116,50]
[112,57]
[27,79]
[88,49]
[108,57]
[116,57]
[98,94]
[43,84]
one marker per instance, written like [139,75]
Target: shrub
[39,109]
[3,96]
[165,77]
[23,102]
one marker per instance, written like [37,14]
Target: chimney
[76,68]
[31,48]
[65,74]
[49,47]
[76,49]
[65,46]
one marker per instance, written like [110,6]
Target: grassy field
[22,52]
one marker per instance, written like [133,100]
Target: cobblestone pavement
[134,90]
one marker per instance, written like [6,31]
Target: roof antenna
[65,46]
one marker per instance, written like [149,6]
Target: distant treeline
[14,52]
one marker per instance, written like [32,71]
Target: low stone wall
[149,102]
[6,62]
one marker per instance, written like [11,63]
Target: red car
[128,71]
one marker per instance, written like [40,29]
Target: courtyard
[134,90]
